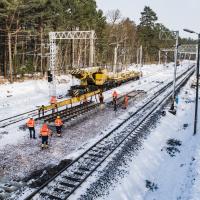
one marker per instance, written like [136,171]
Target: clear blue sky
[175,14]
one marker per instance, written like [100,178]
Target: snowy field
[20,97]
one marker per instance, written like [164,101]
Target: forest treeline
[24,39]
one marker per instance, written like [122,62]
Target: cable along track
[63,184]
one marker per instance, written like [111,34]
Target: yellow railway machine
[92,79]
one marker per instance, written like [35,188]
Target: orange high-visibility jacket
[31,123]
[53,100]
[58,122]
[44,131]
[126,100]
[114,94]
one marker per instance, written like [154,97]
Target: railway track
[68,180]
[65,112]
[73,112]
[17,118]
[70,113]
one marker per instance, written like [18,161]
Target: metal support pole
[10,58]
[141,56]
[41,51]
[115,59]
[138,51]
[189,57]
[85,54]
[73,53]
[92,49]
[175,66]
[141,59]
[52,85]
[166,54]
[197,88]
[124,61]
[159,57]
[185,56]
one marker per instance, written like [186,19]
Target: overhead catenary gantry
[188,49]
[185,49]
[68,35]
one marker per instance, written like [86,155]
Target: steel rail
[125,138]
[32,111]
[98,142]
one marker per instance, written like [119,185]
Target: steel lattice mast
[67,35]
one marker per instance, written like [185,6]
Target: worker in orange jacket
[115,100]
[126,101]
[58,124]
[53,103]
[115,94]
[31,126]
[53,100]
[45,132]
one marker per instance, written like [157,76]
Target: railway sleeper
[72,179]
[95,150]
[89,164]
[68,110]
[70,185]
[103,151]
[73,114]
[85,169]
[99,151]
[137,131]
[69,118]
[96,155]
[57,189]
[94,160]
[98,147]
[61,189]
[79,111]
[78,173]
[62,116]
[50,196]
[67,114]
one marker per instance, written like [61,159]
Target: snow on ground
[20,156]
[24,96]
[38,95]
[154,174]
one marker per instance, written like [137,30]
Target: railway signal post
[197,82]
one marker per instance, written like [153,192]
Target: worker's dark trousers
[45,140]
[41,110]
[58,129]
[32,129]
[115,106]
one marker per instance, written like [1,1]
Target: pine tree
[147,33]
[148,17]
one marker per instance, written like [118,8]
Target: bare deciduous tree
[113,16]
